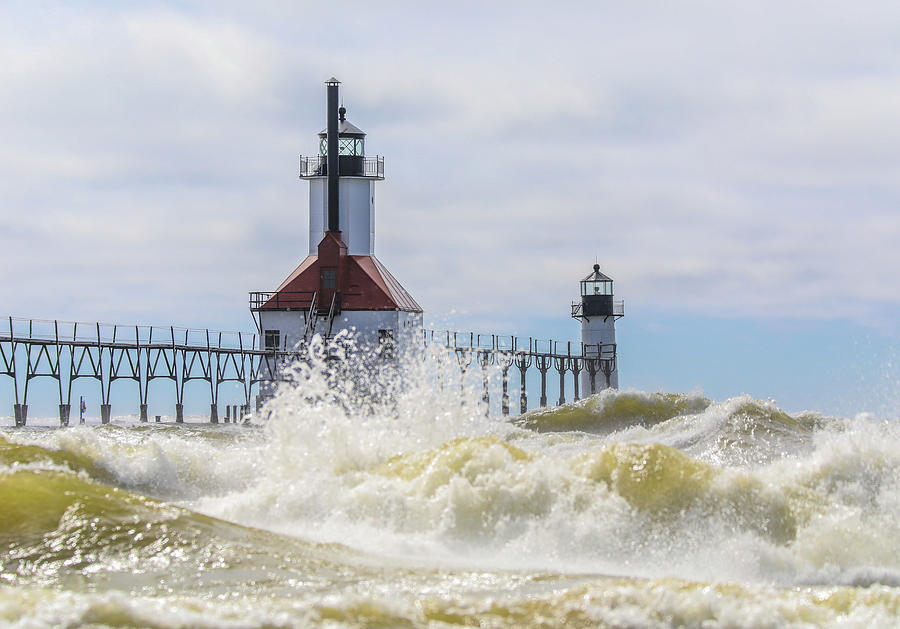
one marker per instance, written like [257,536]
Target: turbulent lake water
[627,509]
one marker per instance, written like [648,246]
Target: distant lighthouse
[598,312]
[340,285]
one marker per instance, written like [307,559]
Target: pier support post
[105,413]
[20,411]
[504,397]
[144,412]
[543,363]
[576,365]
[562,365]
[484,359]
[64,411]
[213,413]
[523,361]
[179,413]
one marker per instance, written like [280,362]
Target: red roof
[367,285]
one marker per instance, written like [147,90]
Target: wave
[670,486]
[696,489]
[738,489]
[393,599]
[612,410]
[169,462]
[743,431]
[738,431]
[58,526]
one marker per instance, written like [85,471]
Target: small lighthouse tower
[598,312]
[340,285]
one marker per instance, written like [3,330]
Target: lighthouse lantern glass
[346,146]
[351,146]
[597,287]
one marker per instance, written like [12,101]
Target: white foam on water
[175,463]
[467,490]
[423,483]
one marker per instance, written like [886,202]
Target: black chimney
[333,161]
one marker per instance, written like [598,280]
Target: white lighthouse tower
[340,285]
[598,312]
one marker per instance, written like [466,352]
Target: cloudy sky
[736,170]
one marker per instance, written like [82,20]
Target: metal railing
[283,300]
[596,362]
[510,344]
[316,166]
[67,351]
[618,309]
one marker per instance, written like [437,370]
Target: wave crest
[612,410]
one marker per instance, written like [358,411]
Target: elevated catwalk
[65,351]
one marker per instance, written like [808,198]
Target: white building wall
[357,214]
[595,330]
[407,327]
[364,324]
[290,325]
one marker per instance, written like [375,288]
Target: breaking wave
[627,508]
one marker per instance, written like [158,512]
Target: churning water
[627,509]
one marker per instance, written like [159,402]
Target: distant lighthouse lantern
[597,294]
[596,283]
[598,313]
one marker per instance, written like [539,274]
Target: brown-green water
[625,510]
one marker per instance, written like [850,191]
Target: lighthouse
[598,311]
[340,285]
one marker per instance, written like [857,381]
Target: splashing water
[393,500]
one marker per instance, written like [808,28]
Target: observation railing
[317,166]
[283,300]
[618,309]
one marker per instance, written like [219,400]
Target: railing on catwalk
[66,351]
[523,353]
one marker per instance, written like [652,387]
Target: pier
[66,351]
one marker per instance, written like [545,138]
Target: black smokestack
[333,162]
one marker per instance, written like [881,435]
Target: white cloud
[734,160]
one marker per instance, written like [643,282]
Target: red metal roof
[367,285]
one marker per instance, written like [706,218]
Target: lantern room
[351,146]
[596,283]
[597,295]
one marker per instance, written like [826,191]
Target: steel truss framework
[505,352]
[66,351]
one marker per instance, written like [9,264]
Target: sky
[732,166]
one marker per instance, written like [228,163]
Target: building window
[329,276]
[273,339]
[386,343]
